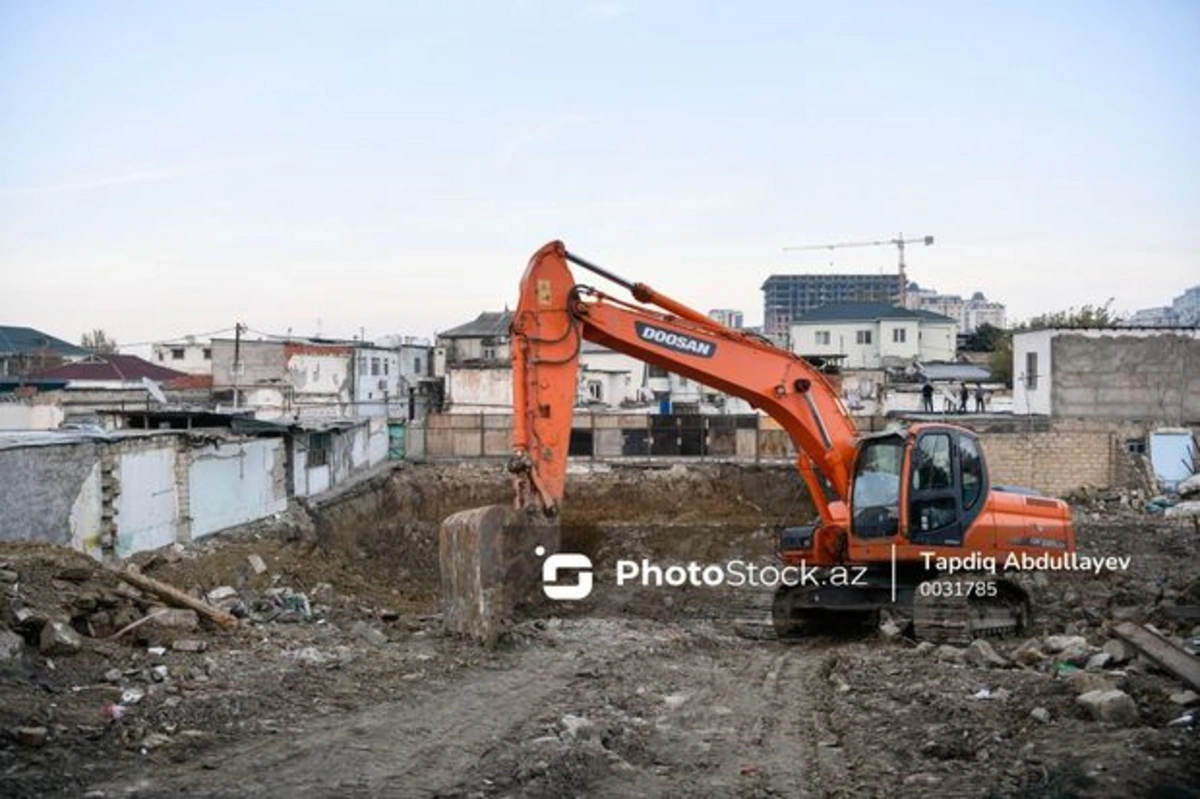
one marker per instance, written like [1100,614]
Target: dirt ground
[340,682]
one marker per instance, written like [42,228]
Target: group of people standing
[964,395]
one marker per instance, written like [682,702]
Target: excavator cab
[927,483]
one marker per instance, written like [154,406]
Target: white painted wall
[193,361]
[234,483]
[147,505]
[486,390]
[939,342]
[1032,397]
[23,416]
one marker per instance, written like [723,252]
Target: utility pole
[237,360]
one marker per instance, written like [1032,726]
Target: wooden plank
[1175,660]
[176,597]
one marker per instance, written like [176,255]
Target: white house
[187,355]
[874,335]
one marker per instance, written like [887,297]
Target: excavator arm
[555,315]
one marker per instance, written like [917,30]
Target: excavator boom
[555,315]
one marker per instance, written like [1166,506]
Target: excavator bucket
[491,567]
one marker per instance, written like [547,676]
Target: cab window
[972,472]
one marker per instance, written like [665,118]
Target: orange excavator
[894,508]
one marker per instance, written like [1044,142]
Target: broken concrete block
[1076,654]
[1083,682]
[368,634]
[925,647]
[256,563]
[1184,698]
[1190,487]
[1099,661]
[1029,653]
[59,639]
[980,653]
[950,654]
[491,561]
[577,726]
[1112,705]
[1058,643]
[174,619]
[11,645]
[1120,651]
[189,645]
[31,736]
[221,594]
[1040,714]
[1183,510]
[8,576]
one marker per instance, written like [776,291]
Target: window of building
[208,353]
[1031,370]
[386,366]
[595,390]
[823,337]
[374,367]
[862,337]
[655,371]
[319,445]
[899,335]
[177,353]
[160,355]
[417,365]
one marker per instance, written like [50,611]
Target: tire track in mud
[671,710]
[418,746]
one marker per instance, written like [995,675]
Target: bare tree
[99,343]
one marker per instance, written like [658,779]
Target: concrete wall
[235,483]
[26,416]
[41,489]
[1152,378]
[352,451]
[485,390]
[1114,374]
[113,497]
[147,504]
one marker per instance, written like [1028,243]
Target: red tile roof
[128,368]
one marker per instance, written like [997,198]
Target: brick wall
[1060,456]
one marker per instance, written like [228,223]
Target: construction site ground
[339,680]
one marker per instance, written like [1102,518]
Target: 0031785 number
[957,588]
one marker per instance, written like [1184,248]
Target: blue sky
[174,167]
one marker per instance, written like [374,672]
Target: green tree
[1083,316]
[99,343]
[984,339]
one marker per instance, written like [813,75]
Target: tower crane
[897,242]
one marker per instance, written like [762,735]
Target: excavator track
[956,610]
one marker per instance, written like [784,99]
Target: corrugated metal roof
[28,341]
[955,371]
[110,367]
[488,323]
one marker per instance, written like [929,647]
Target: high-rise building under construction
[788,297]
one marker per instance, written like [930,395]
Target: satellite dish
[155,391]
